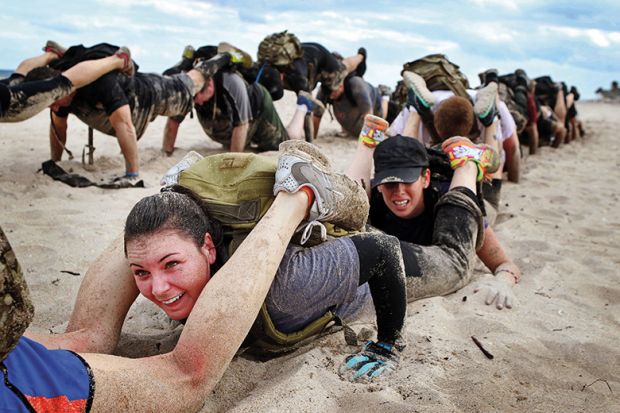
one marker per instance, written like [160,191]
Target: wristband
[516,278]
[310,195]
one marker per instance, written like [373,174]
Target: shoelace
[305,236]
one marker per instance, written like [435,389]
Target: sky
[574,41]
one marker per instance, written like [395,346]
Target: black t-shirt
[418,230]
[94,103]
[147,95]
[304,73]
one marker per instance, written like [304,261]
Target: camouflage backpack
[440,74]
[279,49]
[238,190]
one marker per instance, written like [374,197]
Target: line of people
[428,192]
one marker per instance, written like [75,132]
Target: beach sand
[556,351]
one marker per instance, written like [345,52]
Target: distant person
[305,65]
[123,106]
[22,98]
[241,115]
[351,101]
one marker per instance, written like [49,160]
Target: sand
[556,351]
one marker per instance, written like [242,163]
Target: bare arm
[412,125]
[58,136]
[513,157]
[104,298]
[126,135]
[220,320]
[239,137]
[360,168]
[492,254]
[171,130]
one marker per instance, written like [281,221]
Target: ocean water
[5,73]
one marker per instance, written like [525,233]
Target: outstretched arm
[506,272]
[182,379]
[239,137]
[88,71]
[171,130]
[360,168]
[38,61]
[58,136]
[127,140]
[373,132]
[492,253]
[104,298]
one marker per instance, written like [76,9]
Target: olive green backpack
[238,190]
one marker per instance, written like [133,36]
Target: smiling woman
[169,243]
[170,269]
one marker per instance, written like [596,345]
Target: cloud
[598,37]
[504,4]
[476,34]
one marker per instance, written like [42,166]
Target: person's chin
[179,310]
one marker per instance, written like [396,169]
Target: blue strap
[260,72]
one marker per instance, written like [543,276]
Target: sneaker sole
[418,85]
[485,100]
[306,151]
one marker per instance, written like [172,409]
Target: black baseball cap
[399,159]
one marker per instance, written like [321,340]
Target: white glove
[172,175]
[498,289]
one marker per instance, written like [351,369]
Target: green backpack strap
[281,339]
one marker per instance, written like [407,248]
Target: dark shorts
[267,130]
[546,127]
[42,380]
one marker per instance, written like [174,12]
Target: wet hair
[454,117]
[41,73]
[179,209]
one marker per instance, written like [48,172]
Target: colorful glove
[375,359]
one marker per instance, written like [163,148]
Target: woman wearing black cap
[439,234]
